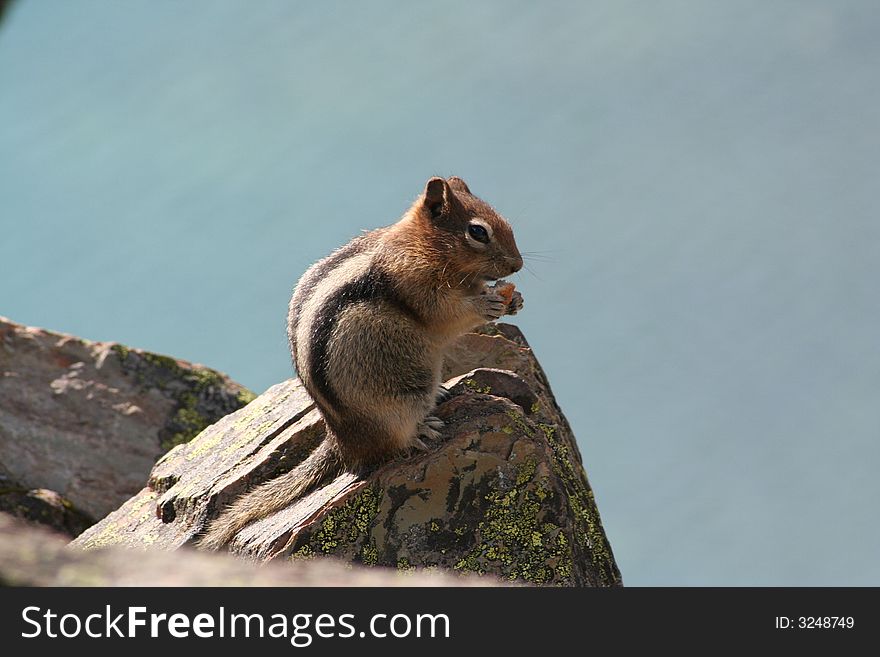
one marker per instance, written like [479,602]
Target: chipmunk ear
[458,185]
[436,194]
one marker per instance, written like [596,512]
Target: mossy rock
[502,494]
[498,497]
[89,419]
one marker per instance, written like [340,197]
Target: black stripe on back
[320,271]
[374,285]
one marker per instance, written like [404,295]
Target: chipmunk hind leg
[391,425]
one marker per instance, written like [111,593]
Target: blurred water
[698,179]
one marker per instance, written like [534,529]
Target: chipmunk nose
[516,263]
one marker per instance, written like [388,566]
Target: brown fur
[368,326]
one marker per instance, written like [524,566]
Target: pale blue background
[701,178]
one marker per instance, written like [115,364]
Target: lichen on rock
[89,419]
[502,494]
[490,502]
[201,395]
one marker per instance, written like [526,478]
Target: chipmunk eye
[479,233]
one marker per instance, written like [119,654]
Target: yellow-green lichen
[588,531]
[471,384]
[251,412]
[345,526]
[248,434]
[520,422]
[137,504]
[305,552]
[369,553]
[188,420]
[513,539]
[245,397]
[204,378]
[403,565]
[205,396]
[203,445]
[108,535]
[165,362]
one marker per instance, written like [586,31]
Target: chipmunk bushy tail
[324,462]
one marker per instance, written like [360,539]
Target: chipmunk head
[477,241]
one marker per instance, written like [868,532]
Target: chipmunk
[368,326]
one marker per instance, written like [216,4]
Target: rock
[44,507]
[500,383]
[37,557]
[502,493]
[89,419]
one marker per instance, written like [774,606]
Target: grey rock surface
[89,419]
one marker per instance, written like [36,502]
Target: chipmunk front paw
[491,305]
[507,294]
[516,303]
